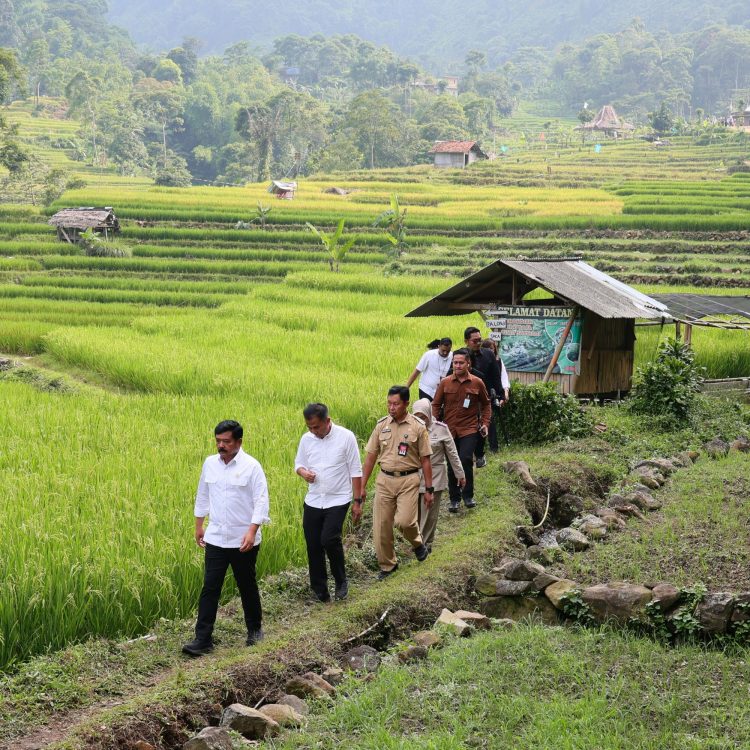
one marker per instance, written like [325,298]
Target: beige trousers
[428,518]
[396,502]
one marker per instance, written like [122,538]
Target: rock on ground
[283,715]
[556,591]
[210,738]
[299,705]
[248,722]
[479,621]
[309,685]
[571,539]
[716,448]
[665,595]
[361,659]
[617,601]
[455,624]
[519,608]
[491,584]
[427,638]
[522,471]
[412,653]
[713,612]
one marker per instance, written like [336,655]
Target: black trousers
[422,394]
[217,561]
[466,446]
[322,527]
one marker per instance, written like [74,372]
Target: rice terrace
[119,354]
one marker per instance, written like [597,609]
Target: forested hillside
[435,32]
[305,104]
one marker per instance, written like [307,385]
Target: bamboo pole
[560,344]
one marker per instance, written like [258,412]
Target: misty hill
[435,32]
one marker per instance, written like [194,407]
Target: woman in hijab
[443,448]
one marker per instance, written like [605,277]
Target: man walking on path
[484,365]
[443,447]
[328,460]
[233,493]
[401,445]
[463,400]
[433,366]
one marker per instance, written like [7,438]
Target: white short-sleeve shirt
[433,368]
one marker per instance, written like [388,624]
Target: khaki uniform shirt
[389,434]
[443,447]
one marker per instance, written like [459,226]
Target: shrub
[95,247]
[538,413]
[668,386]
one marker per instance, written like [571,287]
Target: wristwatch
[429,489]
[359,500]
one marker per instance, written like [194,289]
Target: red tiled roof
[452,147]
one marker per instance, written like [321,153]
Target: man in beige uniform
[400,443]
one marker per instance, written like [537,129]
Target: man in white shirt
[433,366]
[233,493]
[328,460]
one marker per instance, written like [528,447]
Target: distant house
[284,190]
[740,119]
[608,123]
[71,223]
[442,85]
[456,154]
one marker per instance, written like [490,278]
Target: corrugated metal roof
[699,306]
[452,147]
[571,280]
[84,218]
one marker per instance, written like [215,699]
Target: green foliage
[661,119]
[538,413]
[175,174]
[393,220]
[95,247]
[668,386]
[333,244]
[576,609]
[657,622]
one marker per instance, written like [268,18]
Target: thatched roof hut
[72,222]
[608,122]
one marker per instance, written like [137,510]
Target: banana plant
[336,249]
[393,220]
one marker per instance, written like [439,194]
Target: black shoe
[342,591]
[481,462]
[454,506]
[315,599]
[198,648]
[385,573]
[254,636]
[470,503]
[421,552]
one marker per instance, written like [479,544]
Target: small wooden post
[677,330]
[688,334]
[560,344]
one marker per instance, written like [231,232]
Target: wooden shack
[581,334]
[71,223]
[283,190]
[456,154]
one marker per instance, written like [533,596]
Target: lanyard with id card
[467,402]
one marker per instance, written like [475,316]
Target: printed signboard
[527,337]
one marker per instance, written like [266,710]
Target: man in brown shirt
[462,398]
[400,443]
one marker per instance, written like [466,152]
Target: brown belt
[400,473]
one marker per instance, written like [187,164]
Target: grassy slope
[186,694]
[535,687]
